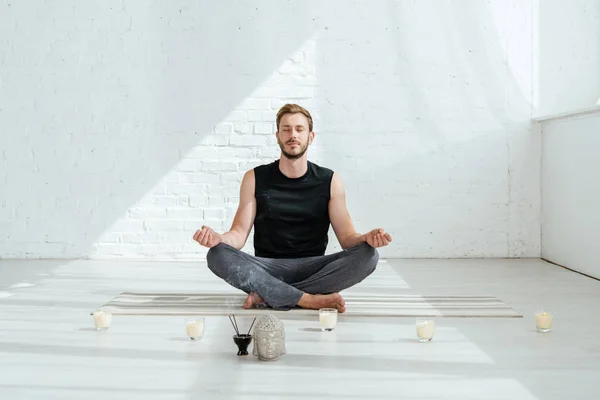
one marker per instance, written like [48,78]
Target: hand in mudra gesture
[378,238]
[207,237]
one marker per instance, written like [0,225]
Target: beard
[296,155]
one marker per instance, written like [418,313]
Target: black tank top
[292,216]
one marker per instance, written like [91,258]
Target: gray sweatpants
[281,282]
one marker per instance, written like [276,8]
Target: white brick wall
[125,126]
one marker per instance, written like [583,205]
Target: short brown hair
[294,109]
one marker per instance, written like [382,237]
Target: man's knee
[215,259]
[368,257]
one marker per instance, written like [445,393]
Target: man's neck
[293,168]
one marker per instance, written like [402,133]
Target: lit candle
[195,328]
[328,318]
[543,321]
[102,320]
[425,329]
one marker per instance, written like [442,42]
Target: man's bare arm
[242,222]
[342,222]
[244,217]
[340,217]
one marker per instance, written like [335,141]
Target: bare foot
[317,301]
[254,300]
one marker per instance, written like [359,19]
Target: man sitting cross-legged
[291,203]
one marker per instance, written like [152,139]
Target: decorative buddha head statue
[269,338]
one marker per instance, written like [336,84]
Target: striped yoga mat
[356,305]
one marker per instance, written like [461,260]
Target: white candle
[328,319]
[195,328]
[425,330]
[102,320]
[543,321]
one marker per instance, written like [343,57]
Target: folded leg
[268,277]
[336,272]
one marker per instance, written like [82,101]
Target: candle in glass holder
[102,320]
[194,328]
[328,318]
[425,329]
[543,321]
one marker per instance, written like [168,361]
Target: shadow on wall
[97,103]
[428,101]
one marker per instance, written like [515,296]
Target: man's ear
[311,137]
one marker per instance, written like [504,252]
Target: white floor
[48,349]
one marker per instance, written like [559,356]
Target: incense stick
[251,325]
[234,325]
[237,327]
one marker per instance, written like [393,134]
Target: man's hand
[378,238]
[207,237]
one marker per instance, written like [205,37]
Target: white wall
[567,71]
[127,125]
[567,57]
[571,192]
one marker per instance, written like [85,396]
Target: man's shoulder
[321,171]
[263,167]
[263,172]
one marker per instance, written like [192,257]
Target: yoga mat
[356,305]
